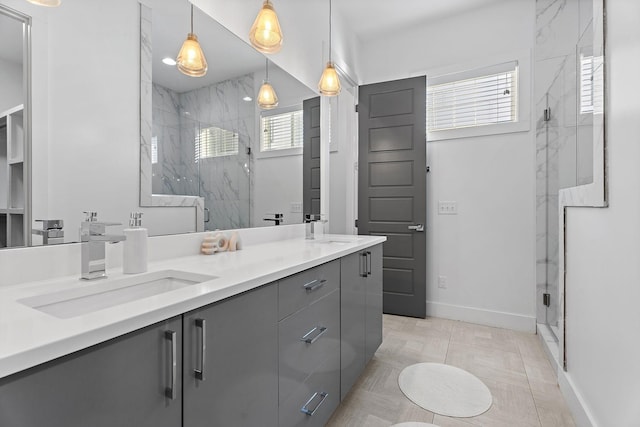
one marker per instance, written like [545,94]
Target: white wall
[603,246]
[277,179]
[487,251]
[86,115]
[10,85]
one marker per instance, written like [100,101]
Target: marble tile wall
[559,26]
[224,182]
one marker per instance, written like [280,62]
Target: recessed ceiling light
[247,98]
[169,61]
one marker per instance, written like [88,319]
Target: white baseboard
[480,316]
[581,415]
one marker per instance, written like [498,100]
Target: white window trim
[523,57]
[259,154]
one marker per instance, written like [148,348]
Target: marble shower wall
[560,24]
[224,182]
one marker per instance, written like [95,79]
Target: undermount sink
[88,297]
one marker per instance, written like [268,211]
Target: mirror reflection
[211,139]
[14,139]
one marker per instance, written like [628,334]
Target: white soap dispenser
[135,246]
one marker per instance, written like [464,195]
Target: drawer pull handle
[170,391]
[368,263]
[305,409]
[202,325]
[363,264]
[308,336]
[314,284]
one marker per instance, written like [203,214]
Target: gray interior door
[392,187]
[311,156]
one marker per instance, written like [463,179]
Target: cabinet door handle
[170,391]
[314,284]
[368,263]
[363,264]
[305,409]
[202,325]
[309,339]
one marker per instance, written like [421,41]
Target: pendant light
[265,34]
[329,84]
[191,60]
[267,98]
[48,3]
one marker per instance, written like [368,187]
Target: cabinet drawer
[300,290]
[299,358]
[325,380]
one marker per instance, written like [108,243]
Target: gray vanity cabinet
[233,379]
[309,346]
[360,313]
[373,302]
[126,381]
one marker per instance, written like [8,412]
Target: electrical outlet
[447,208]
[296,207]
[442,282]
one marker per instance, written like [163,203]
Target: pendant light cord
[191,18]
[266,67]
[329,30]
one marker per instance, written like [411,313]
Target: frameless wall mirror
[204,140]
[15,125]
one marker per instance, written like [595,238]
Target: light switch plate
[442,282]
[296,207]
[447,207]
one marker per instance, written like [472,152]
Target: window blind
[281,131]
[467,100]
[591,85]
[154,150]
[215,142]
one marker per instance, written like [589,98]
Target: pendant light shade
[48,3]
[329,84]
[191,60]
[265,34]
[267,98]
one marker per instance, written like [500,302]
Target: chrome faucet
[93,238]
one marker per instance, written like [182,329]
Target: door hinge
[249,150]
[428,169]
[356,108]
[356,221]
[547,114]
[546,299]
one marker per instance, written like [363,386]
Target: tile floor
[512,364]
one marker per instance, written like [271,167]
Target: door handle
[418,227]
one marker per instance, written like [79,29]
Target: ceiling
[371,18]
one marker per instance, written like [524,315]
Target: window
[281,131]
[154,150]
[591,85]
[481,97]
[215,142]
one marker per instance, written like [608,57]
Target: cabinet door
[352,315]
[122,382]
[236,382]
[373,335]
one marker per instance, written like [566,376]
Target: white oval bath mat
[445,389]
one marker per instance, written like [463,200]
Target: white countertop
[29,337]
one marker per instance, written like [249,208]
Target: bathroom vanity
[277,337]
